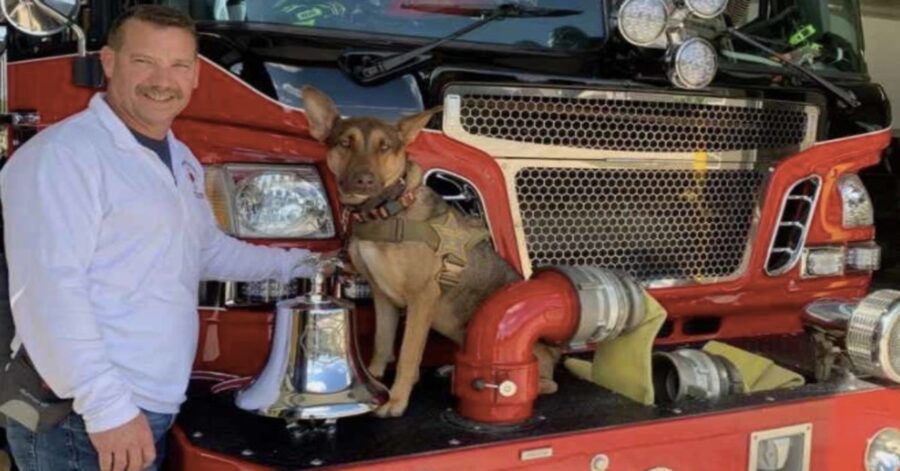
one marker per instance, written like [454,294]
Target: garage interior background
[881,22]
[881,19]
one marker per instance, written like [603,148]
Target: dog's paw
[547,386]
[376,369]
[392,408]
[379,363]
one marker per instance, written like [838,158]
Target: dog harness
[449,235]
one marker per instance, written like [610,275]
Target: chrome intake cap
[686,374]
[873,335]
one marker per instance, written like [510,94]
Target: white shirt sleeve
[52,212]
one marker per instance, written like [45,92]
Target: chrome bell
[314,370]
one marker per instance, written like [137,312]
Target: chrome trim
[804,430]
[231,294]
[25,118]
[795,257]
[226,294]
[486,217]
[4,93]
[354,287]
[832,314]
[4,85]
[507,148]
[510,167]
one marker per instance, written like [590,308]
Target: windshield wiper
[367,67]
[843,94]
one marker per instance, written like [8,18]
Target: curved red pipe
[499,342]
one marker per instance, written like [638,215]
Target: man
[108,233]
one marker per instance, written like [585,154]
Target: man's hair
[158,15]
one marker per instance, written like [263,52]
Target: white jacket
[105,255]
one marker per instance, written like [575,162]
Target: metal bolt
[600,463]
[246,452]
[508,388]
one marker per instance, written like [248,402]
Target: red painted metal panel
[720,442]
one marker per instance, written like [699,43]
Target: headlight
[823,261]
[706,8]
[641,22]
[873,335]
[883,452]
[693,64]
[270,201]
[856,202]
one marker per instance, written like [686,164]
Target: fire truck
[711,149]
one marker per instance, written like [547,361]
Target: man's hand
[128,447]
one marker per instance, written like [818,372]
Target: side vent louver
[793,224]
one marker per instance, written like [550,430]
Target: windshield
[823,35]
[569,33]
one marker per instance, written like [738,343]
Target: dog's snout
[363,180]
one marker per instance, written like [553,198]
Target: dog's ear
[321,112]
[410,126]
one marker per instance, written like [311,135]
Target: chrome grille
[637,126]
[793,224]
[655,224]
[580,123]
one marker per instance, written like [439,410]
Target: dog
[439,270]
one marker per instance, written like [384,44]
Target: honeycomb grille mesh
[654,224]
[599,123]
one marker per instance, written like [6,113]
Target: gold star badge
[453,235]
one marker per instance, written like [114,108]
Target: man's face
[151,76]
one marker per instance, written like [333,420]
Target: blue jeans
[67,447]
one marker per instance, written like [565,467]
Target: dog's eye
[385,147]
[345,143]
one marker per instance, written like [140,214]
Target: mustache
[151,89]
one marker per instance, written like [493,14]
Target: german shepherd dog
[368,159]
